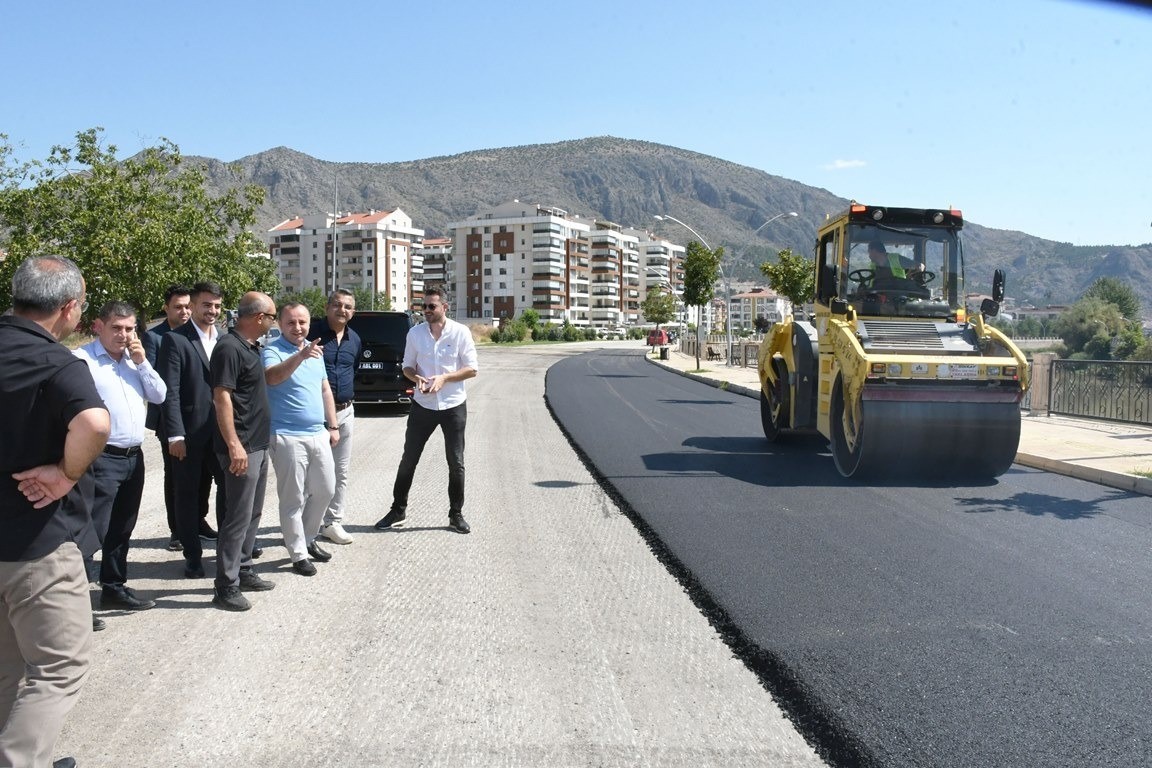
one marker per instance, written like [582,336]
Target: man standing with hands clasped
[439,356]
[304,431]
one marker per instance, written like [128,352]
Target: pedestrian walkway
[1109,453]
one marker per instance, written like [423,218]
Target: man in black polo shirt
[55,426]
[243,426]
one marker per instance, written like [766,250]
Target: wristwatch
[331,426]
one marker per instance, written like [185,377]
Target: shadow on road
[1042,504]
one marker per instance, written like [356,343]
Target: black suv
[379,375]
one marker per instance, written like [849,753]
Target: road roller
[891,366]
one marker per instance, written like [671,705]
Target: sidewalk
[1102,452]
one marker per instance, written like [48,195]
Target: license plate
[964,371]
[372,366]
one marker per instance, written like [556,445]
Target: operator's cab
[892,262]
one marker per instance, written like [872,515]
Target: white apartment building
[374,250]
[438,266]
[662,264]
[747,306]
[518,256]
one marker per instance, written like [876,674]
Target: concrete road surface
[550,636]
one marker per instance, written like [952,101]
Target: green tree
[701,268]
[792,276]
[313,298]
[366,301]
[1116,291]
[659,306]
[132,226]
[1088,328]
[530,318]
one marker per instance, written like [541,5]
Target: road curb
[1119,480]
[1132,483]
[738,389]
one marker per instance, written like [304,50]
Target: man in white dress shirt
[439,356]
[127,382]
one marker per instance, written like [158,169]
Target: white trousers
[305,481]
[342,455]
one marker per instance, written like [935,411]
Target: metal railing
[1099,389]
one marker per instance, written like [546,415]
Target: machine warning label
[963,371]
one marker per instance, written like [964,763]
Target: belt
[342,406]
[115,450]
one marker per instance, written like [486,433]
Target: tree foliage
[1117,292]
[1088,328]
[792,276]
[366,301]
[132,226]
[658,307]
[701,269]
[313,298]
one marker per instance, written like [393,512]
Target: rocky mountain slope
[627,181]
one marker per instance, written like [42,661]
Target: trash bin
[663,353]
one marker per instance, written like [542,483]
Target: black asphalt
[1006,624]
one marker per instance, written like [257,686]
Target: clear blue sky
[1032,115]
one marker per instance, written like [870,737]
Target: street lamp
[724,275]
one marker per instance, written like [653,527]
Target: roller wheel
[847,427]
[774,405]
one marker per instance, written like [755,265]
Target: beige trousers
[45,648]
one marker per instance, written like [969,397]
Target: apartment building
[517,256]
[438,266]
[662,264]
[747,306]
[375,250]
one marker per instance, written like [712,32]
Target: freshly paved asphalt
[1004,624]
[550,636]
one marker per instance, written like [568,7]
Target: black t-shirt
[43,386]
[236,365]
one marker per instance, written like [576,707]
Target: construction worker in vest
[885,265]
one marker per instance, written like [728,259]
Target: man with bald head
[241,442]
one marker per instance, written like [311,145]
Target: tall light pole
[724,275]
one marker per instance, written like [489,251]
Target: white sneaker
[335,533]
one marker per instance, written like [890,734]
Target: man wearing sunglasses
[439,356]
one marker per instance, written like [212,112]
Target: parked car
[657,337]
[268,338]
[379,373]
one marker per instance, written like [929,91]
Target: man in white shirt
[439,356]
[126,382]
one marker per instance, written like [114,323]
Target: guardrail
[1109,390]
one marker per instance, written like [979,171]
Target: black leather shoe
[230,599]
[65,762]
[304,567]
[394,519]
[121,596]
[174,545]
[250,582]
[256,552]
[319,554]
[457,523]
[206,531]
[98,624]
[194,571]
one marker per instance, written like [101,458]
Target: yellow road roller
[892,367]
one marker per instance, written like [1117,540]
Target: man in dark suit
[187,418]
[177,311]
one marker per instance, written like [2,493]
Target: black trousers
[190,496]
[422,422]
[119,487]
[170,493]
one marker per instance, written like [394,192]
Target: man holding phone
[439,356]
[127,382]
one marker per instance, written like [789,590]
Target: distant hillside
[628,181]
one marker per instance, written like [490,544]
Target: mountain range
[628,181]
